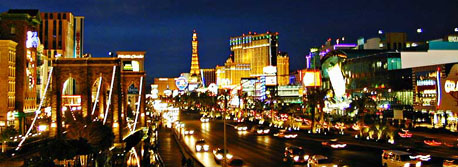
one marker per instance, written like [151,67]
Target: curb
[186,152]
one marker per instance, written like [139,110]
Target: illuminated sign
[453,38]
[32,39]
[78,47]
[426,82]
[451,86]
[131,56]
[181,83]
[311,78]
[132,89]
[337,80]
[271,80]
[213,88]
[270,70]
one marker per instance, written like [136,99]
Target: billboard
[271,80]
[181,83]
[337,80]
[311,79]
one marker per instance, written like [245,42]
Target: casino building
[434,78]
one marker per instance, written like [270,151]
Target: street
[269,150]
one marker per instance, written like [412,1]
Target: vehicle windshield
[324,161]
[222,151]
[405,158]
[236,162]
[298,151]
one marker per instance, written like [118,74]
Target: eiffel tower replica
[195,76]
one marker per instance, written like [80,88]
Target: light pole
[224,124]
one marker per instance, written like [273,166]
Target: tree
[365,107]
[8,132]
[315,99]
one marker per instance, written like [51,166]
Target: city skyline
[164,29]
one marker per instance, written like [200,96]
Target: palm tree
[99,137]
[315,99]
[364,106]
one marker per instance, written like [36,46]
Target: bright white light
[337,80]
[419,30]
[42,128]
[109,95]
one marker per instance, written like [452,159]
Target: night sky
[163,28]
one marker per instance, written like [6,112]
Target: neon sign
[426,82]
[181,83]
[451,86]
[32,39]
[131,56]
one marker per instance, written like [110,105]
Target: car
[202,145]
[432,142]
[295,154]
[262,131]
[450,163]
[241,127]
[218,155]
[405,134]
[204,119]
[333,143]
[237,119]
[235,162]
[391,158]
[320,161]
[285,134]
[188,132]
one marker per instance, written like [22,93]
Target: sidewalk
[168,148]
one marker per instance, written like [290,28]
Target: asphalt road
[268,150]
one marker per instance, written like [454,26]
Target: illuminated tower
[195,69]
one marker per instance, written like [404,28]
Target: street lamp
[226,98]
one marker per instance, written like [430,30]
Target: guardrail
[186,151]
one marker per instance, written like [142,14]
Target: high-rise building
[62,34]
[257,50]
[165,85]
[195,68]
[230,75]
[21,27]
[283,68]
[209,76]
[7,90]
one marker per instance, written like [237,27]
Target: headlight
[229,156]
[296,158]
[198,147]
[266,131]
[244,128]
[191,132]
[259,131]
[407,164]
[219,156]
[306,157]
[418,164]
[206,147]
[334,165]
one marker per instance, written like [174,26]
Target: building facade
[21,26]
[7,85]
[257,50]
[209,76]
[62,34]
[283,68]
